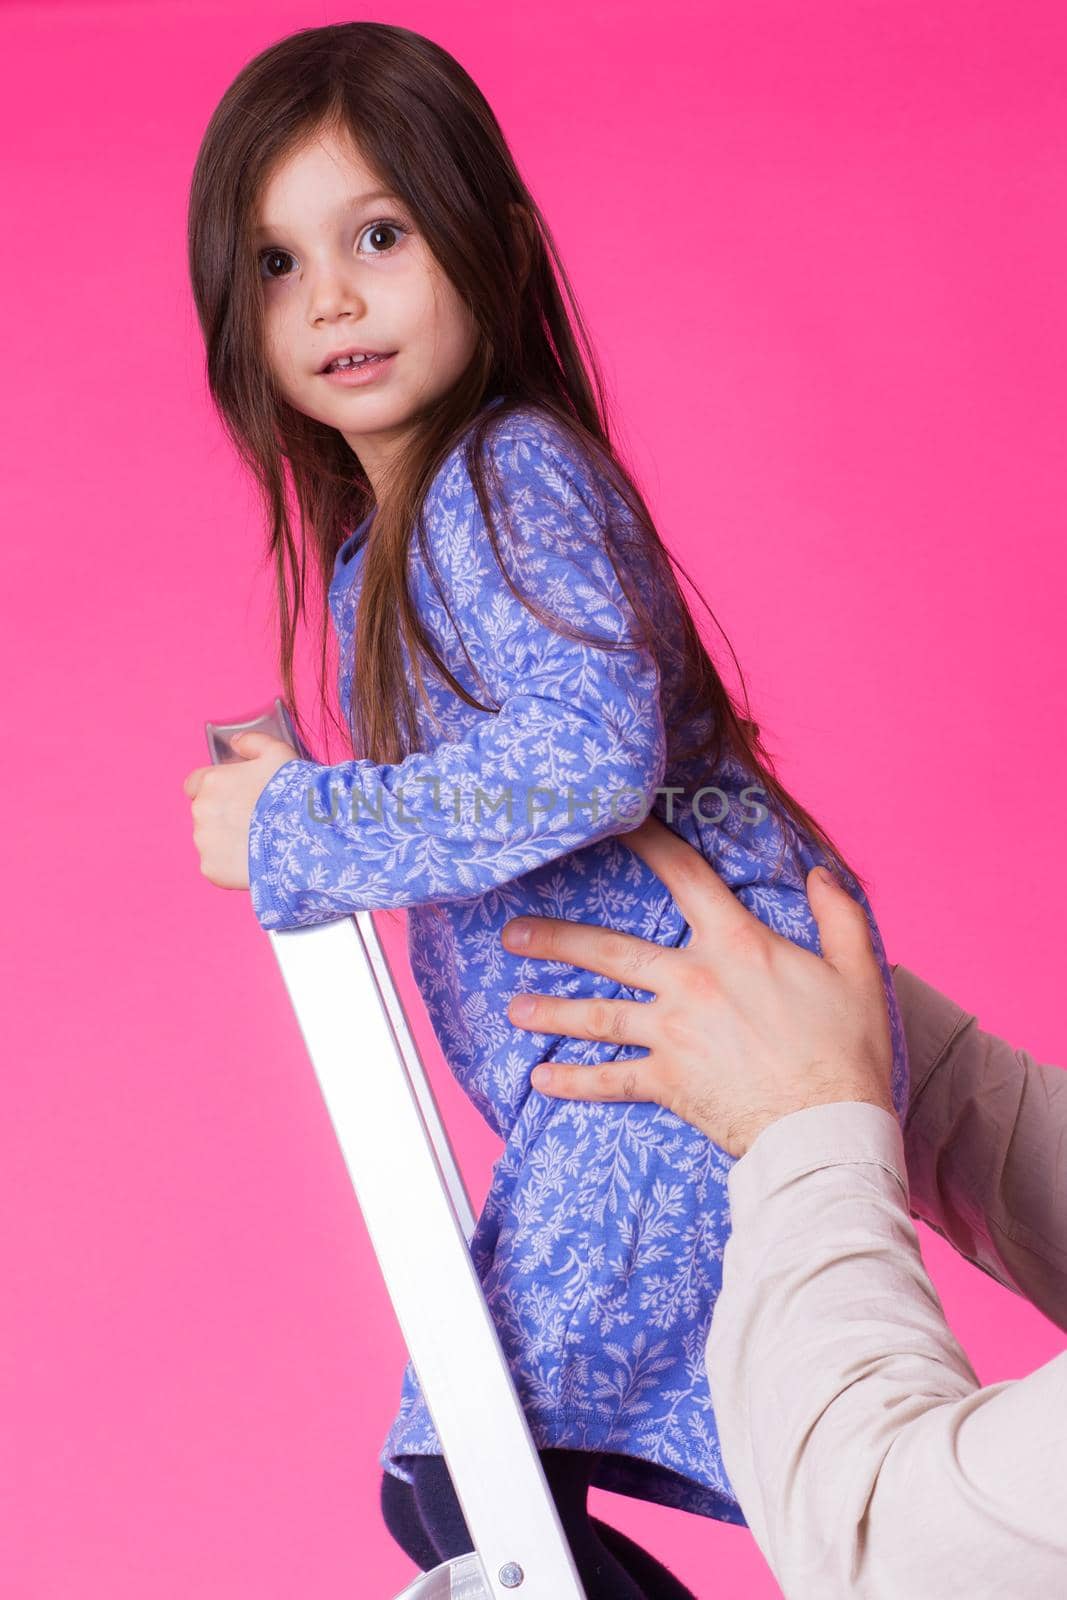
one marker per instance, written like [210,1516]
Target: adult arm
[866,1456]
[986,1146]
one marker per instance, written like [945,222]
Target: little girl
[390,347]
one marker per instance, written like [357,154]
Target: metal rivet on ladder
[511,1575]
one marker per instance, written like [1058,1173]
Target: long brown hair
[425,128]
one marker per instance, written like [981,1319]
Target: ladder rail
[411,1063]
[384,1115]
[368,1082]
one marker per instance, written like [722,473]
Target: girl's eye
[268,259]
[383,226]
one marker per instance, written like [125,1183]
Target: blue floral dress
[600,1244]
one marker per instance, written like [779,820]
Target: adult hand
[223,800]
[745,1026]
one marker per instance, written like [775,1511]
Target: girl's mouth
[365,371]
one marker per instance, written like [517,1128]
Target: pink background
[821,249]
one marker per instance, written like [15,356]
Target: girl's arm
[575,753]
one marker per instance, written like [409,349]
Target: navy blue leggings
[427,1523]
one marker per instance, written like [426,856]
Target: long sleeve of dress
[866,1457]
[574,753]
[986,1146]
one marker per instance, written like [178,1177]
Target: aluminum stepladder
[385,1117]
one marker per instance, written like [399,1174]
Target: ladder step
[461,1579]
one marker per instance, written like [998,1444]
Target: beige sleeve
[866,1458]
[986,1146]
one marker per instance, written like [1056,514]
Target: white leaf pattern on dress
[600,1243]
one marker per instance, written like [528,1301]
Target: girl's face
[342,266]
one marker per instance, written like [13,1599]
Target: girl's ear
[522,227]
